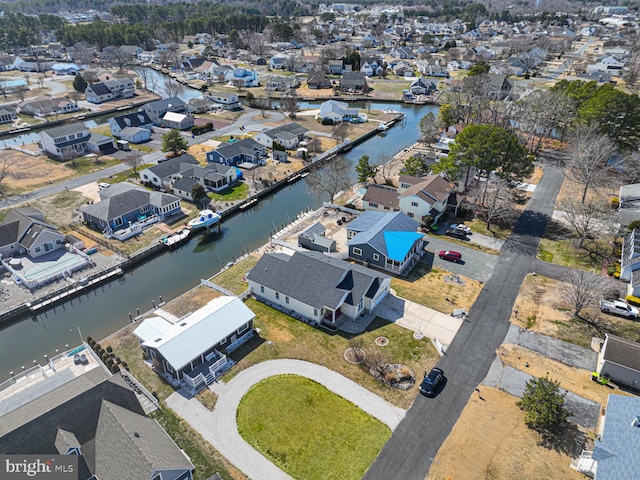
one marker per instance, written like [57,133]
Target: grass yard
[60,209]
[284,337]
[233,277]
[308,431]
[429,288]
[239,191]
[565,252]
[491,441]
[85,165]
[191,301]
[126,175]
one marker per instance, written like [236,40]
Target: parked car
[455,232]
[430,383]
[103,185]
[619,307]
[460,226]
[450,255]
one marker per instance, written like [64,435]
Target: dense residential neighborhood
[229,233]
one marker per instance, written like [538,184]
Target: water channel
[106,309]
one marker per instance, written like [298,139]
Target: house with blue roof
[616,453]
[389,241]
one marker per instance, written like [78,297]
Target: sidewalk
[220,429]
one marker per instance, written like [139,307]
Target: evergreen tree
[365,170]
[173,141]
[79,83]
[543,404]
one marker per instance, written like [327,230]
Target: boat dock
[176,238]
[249,203]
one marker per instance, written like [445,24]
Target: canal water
[106,309]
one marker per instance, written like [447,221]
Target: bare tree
[629,168]
[314,145]
[588,156]
[330,179]
[341,132]
[83,56]
[144,74]
[133,161]
[172,88]
[582,288]
[495,202]
[5,166]
[290,105]
[21,93]
[585,218]
[256,43]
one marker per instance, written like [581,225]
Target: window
[410,215]
[376,256]
[223,341]
[315,312]
[117,221]
[277,296]
[145,176]
[404,185]
[357,251]
[414,204]
[48,247]
[360,304]
[386,208]
[38,249]
[373,205]
[261,288]
[286,300]
[72,136]
[243,328]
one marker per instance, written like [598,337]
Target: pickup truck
[618,307]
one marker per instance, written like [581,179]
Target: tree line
[18,30]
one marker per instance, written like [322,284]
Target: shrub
[611,269]
[89,340]
[199,130]
[109,349]
[125,364]
[118,360]
[615,202]
[633,300]
[114,368]
[633,225]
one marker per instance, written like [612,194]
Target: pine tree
[543,404]
[173,141]
[79,83]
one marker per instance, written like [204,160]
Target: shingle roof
[100,89]
[185,184]
[623,352]
[246,146]
[618,451]
[14,226]
[292,129]
[165,103]
[314,279]
[434,188]
[65,130]
[386,197]
[393,234]
[135,119]
[173,165]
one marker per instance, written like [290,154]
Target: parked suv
[450,255]
[456,232]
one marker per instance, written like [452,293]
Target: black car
[456,232]
[430,383]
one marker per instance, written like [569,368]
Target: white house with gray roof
[317,287]
[65,141]
[235,153]
[24,231]
[133,127]
[160,175]
[158,108]
[289,136]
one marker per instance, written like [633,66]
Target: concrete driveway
[475,264]
[418,318]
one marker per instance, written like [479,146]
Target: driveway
[220,429]
[475,264]
[418,318]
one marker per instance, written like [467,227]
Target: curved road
[220,429]
[414,444]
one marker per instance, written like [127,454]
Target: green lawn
[232,278]
[239,191]
[126,175]
[565,252]
[86,165]
[308,431]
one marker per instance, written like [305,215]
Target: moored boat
[205,218]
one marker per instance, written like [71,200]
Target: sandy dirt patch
[28,173]
[89,190]
[490,440]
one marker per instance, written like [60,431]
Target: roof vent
[636,422]
[136,434]
[157,339]
[183,324]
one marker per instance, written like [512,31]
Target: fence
[33,153]
[98,239]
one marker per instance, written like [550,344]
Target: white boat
[176,238]
[382,127]
[205,218]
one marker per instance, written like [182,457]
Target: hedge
[207,127]
[633,300]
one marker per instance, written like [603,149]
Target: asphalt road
[414,444]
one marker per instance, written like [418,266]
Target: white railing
[217,364]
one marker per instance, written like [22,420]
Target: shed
[313,239]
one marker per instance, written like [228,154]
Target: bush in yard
[611,269]
[615,202]
[543,405]
[114,368]
[632,300]
[109,349]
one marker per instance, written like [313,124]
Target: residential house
[257,60]
[97,418]
[428,197]
[500,87]
[402,69]
[236,153]
[404,53]
[279,62]
[229,101]
[281,84]
[202,105]
[65,69]
[629,207]
[133,127]
[389,241]
[607,64]
[313,238]
[8,63]
[242,77]
[615,451]
[156,109]
[619,360]
[317,287]
[192,351]
[24,231]
[354,83]
[371,67]
[318,79]
[109,90]
[7,115]
[124,209]
[66,141]
[289,136]
[99,143]
[432,67]
[332,111]
[33,64]
[161,175]
[335,67]
[215,177]
[179,121]
[381,198]
[49,107]
[423,86]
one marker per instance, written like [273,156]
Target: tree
[588,156]
[581,289]
[341,132]
[543,404]
[5,165]
[133,161]
[447,115]
[585,218]
[173,141]
[414,166]
[496,202]
[365,170]
[331,179]
[429,128]
[290,105]
[172,88]
[79,83]
[199,195]
[479,68]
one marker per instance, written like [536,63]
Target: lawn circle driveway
[475,264]
[220,429]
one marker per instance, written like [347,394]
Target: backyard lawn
[308,431]
[239,191]
[233,278]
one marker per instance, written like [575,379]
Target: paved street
[219,427]
[413,445]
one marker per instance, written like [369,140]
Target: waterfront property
[65,141]
[192,351]
[389,241]
[108,90]
[99,419]
[125,209]
[333,111]
[288,136]
[313,238]
[48,107]
[162,174]
[317,287]
[158,108]
[133,127]
[7,115]
[235,153]
[214,177]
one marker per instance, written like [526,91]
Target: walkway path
[220,429]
